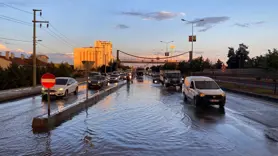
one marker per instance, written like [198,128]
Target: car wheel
[76,91]
[221,106]
[196,102]
[66,93]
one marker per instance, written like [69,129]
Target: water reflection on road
[144,119]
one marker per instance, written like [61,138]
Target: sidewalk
[17,93]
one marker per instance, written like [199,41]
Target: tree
[197,64]
[184,67]
[272,59]
[169,66]
[218,64]
[207,64]
[239,58]
[242,55]
[232,60]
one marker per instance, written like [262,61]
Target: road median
[19,93]
[45,123]
[261,93]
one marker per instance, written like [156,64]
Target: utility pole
[34,44]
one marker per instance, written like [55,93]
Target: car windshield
[173,75]
[96,78]
[61,81]
[206,85]
[114,75]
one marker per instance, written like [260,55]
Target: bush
[21,76]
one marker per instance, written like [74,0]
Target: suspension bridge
[125,57]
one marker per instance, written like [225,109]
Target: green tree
[207,64]
[184,67]
[218,64]
[169,66]
[197,64]
[272,59]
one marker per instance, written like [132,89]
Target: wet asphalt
[142,119]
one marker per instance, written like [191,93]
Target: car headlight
[223,94]
[98,82]
[202,94]
[61,88]
[89,81]
[43,88]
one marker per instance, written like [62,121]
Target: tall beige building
[101,54]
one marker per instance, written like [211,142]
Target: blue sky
[137,26]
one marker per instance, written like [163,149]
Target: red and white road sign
[48,80]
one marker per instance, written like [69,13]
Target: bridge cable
[152,58]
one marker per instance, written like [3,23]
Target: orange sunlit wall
[101,54]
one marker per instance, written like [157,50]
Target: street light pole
[191,22]
[167,45]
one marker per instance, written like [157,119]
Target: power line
[50,49]
[15,20]
[61,35]
[54,35]
[11,39]
[7,5]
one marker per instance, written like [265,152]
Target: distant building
[9,58]
[101,54]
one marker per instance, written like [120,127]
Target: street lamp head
[183,20]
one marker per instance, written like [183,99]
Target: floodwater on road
[140,119]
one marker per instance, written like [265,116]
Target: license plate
[214,100]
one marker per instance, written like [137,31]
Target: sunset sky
[138,26]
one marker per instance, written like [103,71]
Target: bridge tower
[190,56]
[118,60]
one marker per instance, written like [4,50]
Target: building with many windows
[101,54]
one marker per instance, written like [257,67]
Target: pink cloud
[3,47]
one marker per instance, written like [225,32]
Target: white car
[203,91]
[63,87]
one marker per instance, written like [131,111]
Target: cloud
[206,28]
[3,47]
[122,26]
[19,50]
[58,58]
[247,25]
[207,23]
[159,16]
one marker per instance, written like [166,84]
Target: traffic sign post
[87,65]
[47,81]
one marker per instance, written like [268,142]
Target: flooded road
[141,119]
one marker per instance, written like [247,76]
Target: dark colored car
[114,78]
[123,76]
[97,81]
[156,78]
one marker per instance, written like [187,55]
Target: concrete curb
[23,94]
[264,97]
[44,123]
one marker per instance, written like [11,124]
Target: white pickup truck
[171,78]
